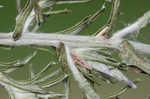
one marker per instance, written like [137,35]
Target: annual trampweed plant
[89,60]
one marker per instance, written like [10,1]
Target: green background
[130,10]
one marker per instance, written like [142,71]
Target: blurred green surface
[130,10]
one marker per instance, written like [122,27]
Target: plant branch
[136,26]
[45,39]
[141,47]
[111,21]
[83,83]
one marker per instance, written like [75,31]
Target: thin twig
[72,1]
[111,22]
[20,20]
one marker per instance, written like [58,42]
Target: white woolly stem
[136,26]
[45,39]
[141,47]
[18,5]
[48,39]
[83,83]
